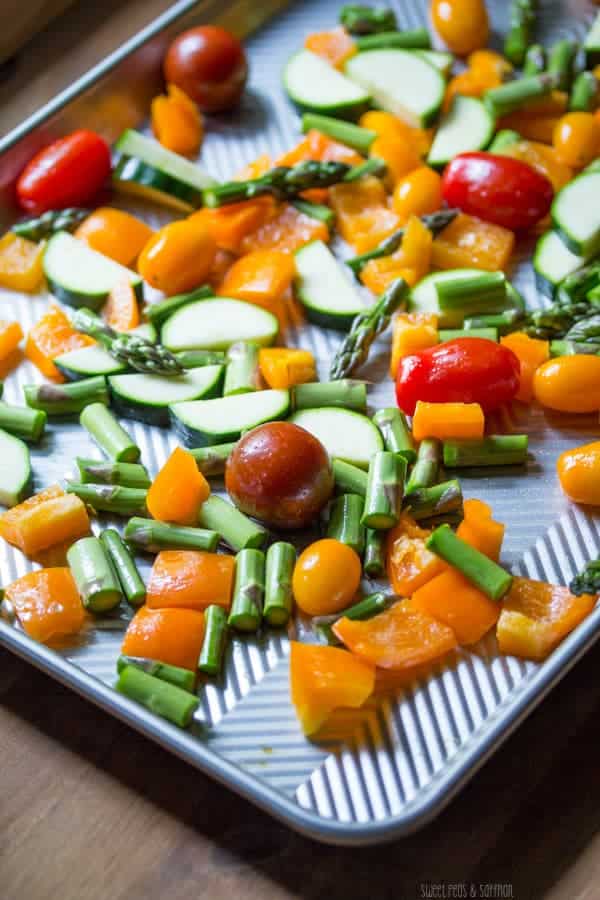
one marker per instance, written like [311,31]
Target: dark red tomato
[209,64]
[281,474]
[69,172]
[465,370]
[499,189]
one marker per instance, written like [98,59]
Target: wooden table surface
[89,810]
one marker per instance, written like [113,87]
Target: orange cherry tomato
[417,193]
[569,384]
[462,24]
[576,138]
[178,257]
[326,577]
[579,473]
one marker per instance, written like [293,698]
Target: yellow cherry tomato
[576,138]
[569,384]
[326,577]
[417,193]
[579,473]
[462,24]
[178,257]
[399,156]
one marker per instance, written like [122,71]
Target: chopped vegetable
[412,332]
[374,553]
[47,604]
[248,591]
[361,19]
[494,450]
[20,264]
[51,336]
[37,228]
[287,230]
[326,577]
[531,353]
[471,242]
[479,529]
[215,639]
[181,678]
[11,335]
[172,636]
[235,529]
[190,579]
[396,433]
[178,490]
[111,498]
[363,217]
[450,598]
[462,24]
[177,122]
[108,434]
[569,384]
[409,563]
[447,420]
[283,368]
[279,598]
[94,574]
[346,393]
[261,277]
[348,478]
[578,470]
[45,520]
[426,468]
[385,487]
[537,616]
[474,565]
[335,46]
[435,501]
[178,257]
[23,422]
[160,697]
[114,233]
[102,471]
[211,460]
[65,399]
[123,562]
[121,310]
[518,38]
[152,537]
[344,523]
[209,64]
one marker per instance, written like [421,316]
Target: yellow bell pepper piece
[283,368]
[412,332]
[20,263]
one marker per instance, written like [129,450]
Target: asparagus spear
[485,574]
[152,536]
[518,38]
[236,529]
[366,326]
[66,399]
[131,349]
[215,638]
[125,567]
[181,678]
[535,60]
[211,460]
[94,575]
[248,590]
[22,422]
[425,470]
[437,500]
[160,697]
[241,375]
[281,558]
[403,40]
[385,487]
[346,393]
[345,521]
[360,139]
[435,222]
[374,554]
[348,478]
[560,62]
[108,434]
[282,182]
[495,450]
[359,19]
[585,93]
[111,498]
[105,471]
[316,211]
[587,581]
[396,433]
[193,359]
[514,94]
[37,228]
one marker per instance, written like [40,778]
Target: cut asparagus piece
[396,433]
[152,537]
[425,471]
[449,334]
[560,63]
[242,374]
[360,139]
[212,460]
[110,498]
[535,60]
[402,40]
[495,450]
[360,19]
[181,678]
[248,590]
[485,293]
[126,569]
[514,94]
[385,488]
[195,359]
[94,575]
[108,434]
[501,323]
[160,697]
[215,638]
[518,38]
[346,393]
[348,478]
[38,228]
[345,521]
[316,211]
[66,399]
[437,500]
[23,422]
[374,553]
[105,471]
[236,529]
[585,93]
[279,600]
[479,569]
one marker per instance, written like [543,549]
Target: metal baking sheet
[386,770]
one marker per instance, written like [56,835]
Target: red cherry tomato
[465,370]
[499,189]
[209,64]
[69,172]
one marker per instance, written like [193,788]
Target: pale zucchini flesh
[346,435]
[313,84]
[329,298]
[217,324]
[553,261]
[88,361]
[466,126]
[201,423]
[147,397]
[15,471]
[576,214]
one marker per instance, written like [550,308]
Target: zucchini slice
[87,362]
[424,298]
[400,82]
[146,330]
[552,262]
[15,471]
[80,276]
[345,434]
[312,84]
[576,214]
[201,423]
[145,168]
[217,324]
[467,126]
[147,397]
[328,297]
[439,59]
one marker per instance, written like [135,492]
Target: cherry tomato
[281,474]
[326,577]
[69,172]
[576,138]
[464,370]
[209,64]
[579,473]
[417,193]
[569,384]
[499,189]
[462,24]
[178,257]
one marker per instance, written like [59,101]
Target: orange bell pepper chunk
[259,276]
[114,233]
[469,83]
[177,122]
[11,334]
[325,678]
[543,159]
[255,169]
[44,520]
[51,336]
[408,561]
[335,46]
[386,124]
[399,638]
[121,310]
[532,127]
[479,529]
[283,368]
[363,217]
[221,264]
[537,616]
[399,155]
[452,599]
[447,420]
[531,353]
[47,603]
[172,636]
[412,332]
[316,145]
[378,274]
[190,579]
[230,224]
[287,230]
[470,242]
[20,264]
[178,490]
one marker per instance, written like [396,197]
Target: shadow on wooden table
[91,796]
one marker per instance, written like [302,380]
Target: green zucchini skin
[79,374]
[157,415]
[193,436]
[131,171]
